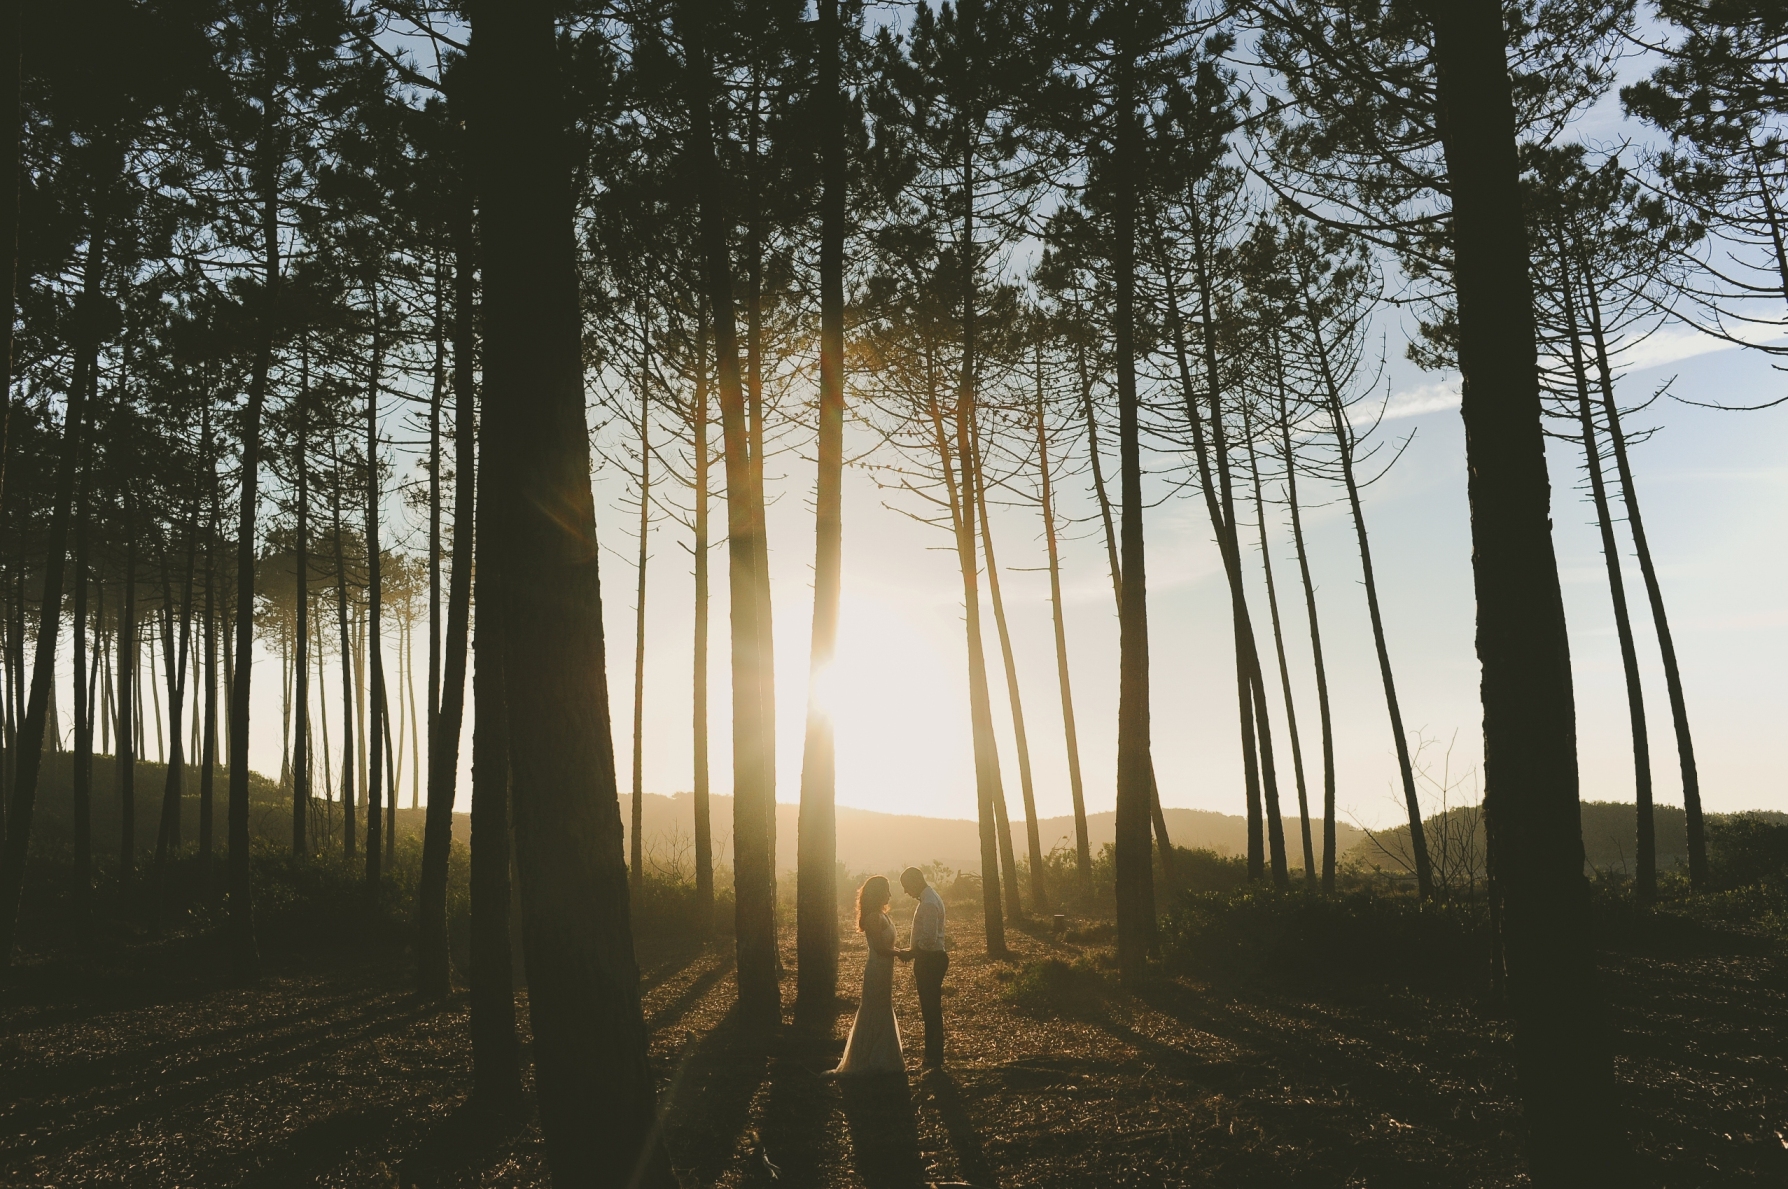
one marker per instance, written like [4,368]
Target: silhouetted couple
[874,1044]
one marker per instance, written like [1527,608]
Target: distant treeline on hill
[869,841]
[269,808]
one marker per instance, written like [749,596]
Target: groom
[930,960]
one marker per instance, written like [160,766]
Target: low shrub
[1747,848]
[1360,936]
[1063,988]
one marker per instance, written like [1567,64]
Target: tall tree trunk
[244,953]
[28,745]
[81,776]
[1344,443]
[11,174]
[432,698]
[1562,1054]
[636,867]
[1163,845]
[375,597]
[1291,713]
[125,759]
[1646,854]
[1220,510]
[1039,894]
[1135,872]
[980,713]
[704,839]
[754,396]
[168,837]
[595,1087]
[208,751]
[301,665]
[753,795]
[1654,593]
[348,700]
[434,973]
[1322,679]
[1083,854]
[816,880]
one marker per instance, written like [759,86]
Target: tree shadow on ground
[884,1131]
[796,1127]
[971,1156]
[466,1140]
[710,1107]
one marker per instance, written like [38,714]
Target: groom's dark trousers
[928,972]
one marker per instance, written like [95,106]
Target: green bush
[1359,936]
[1064,988]
[1744,849]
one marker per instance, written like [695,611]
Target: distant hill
[1610,830]
[872,841]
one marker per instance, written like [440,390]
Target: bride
[874,1044]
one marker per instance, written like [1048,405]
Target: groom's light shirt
[928,921]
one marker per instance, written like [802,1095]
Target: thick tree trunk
[1162,844]
[432,699]
[1344,444]
[1291,713]
[594,1080]
[636,865]
[1083,855]
[434,968]
[1322,679]
[816,875]
[1646,853]
[704,832]
[1135,871]
[1562,1054]
[760,998]
[1654,593]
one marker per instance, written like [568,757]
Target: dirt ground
[147,1068]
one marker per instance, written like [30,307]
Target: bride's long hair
[872,897]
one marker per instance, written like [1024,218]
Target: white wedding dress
[874,1044]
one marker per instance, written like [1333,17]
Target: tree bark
[1135,871]
[1562,1055]
[1646,853]
[1654,593]
[595,1086]
[447,701]
[208,749]
[753,794]
[81,778]
[125,758]
[816,875]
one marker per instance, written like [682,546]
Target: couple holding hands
[874,1044]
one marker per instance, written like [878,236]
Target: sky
[1713,488]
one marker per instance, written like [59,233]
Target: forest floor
[146,1066]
